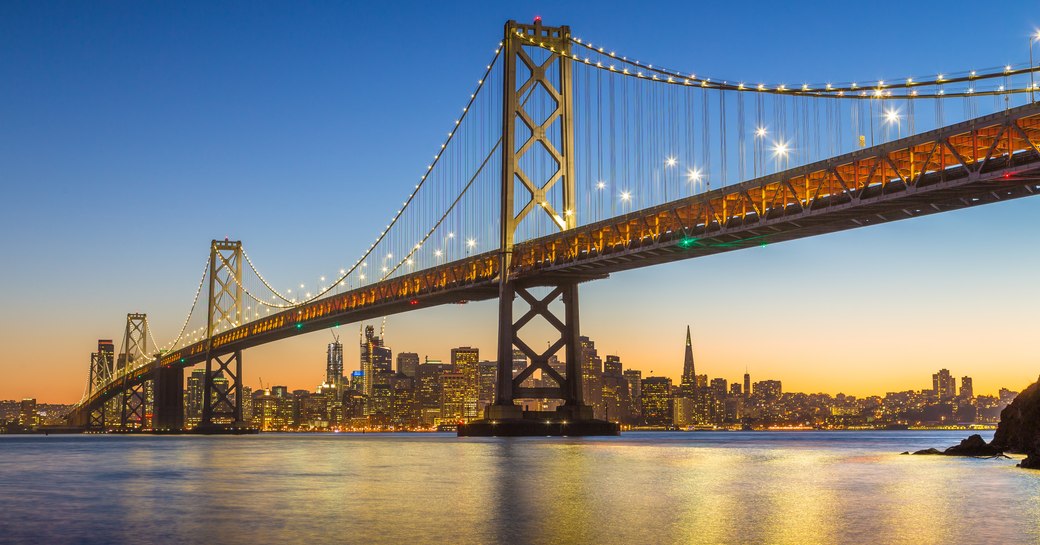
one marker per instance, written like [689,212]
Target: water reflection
[639,488]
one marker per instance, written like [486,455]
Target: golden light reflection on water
[640,488]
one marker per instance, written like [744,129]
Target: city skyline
[846,312]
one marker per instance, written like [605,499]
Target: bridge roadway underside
[873,208]
[969,164]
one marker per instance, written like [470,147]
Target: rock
[1032,459]
[904,452]
[1019,428]
[1030,462]
[973,446]
[929,451]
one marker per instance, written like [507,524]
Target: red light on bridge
[537,19]
[413,302]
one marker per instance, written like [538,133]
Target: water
[703,487]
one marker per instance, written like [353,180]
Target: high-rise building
[612,366]
[247,404]
[193,398]
[28,417]
[944,385]
[689,375]
[375,355]
[747,385]
[657,401]
[429,389]
[334,364]
[967,390]
[591,376]
[465,360]
[635,383]
[454,387]
[768,390]
[408,363]
[488,382]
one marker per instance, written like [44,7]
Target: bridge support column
[133,408]
[222,395]
[505,417]
[169,399]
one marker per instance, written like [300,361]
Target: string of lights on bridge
[846,90]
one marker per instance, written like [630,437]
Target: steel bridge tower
[223,408]
[556,135]
[102,368]
[133,414]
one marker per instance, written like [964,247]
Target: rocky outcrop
[1019,428]
[1018,432]
[972,446]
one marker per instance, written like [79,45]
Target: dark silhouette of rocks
[973,446]
[1019,427]
[1018,432]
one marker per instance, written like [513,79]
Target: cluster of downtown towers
[415,394]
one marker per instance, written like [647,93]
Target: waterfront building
[488,381]
[193,398]
[591,375]
[656,397]
[684,412]
[465,360]
[454,387]
[28,417]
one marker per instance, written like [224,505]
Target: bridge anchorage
[570,163]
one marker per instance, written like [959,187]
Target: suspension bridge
[571,161]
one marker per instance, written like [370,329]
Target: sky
[133,133]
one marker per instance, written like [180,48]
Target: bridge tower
[133,413]
[222,408]
[101,372]
[527,192]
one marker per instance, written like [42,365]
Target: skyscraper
[193,398]
[465,361]
[375,356]
[408,363]
[967,390]
[747,385]
[334,364]
[689,369]
[591,375]
[944,385]
[657,401]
